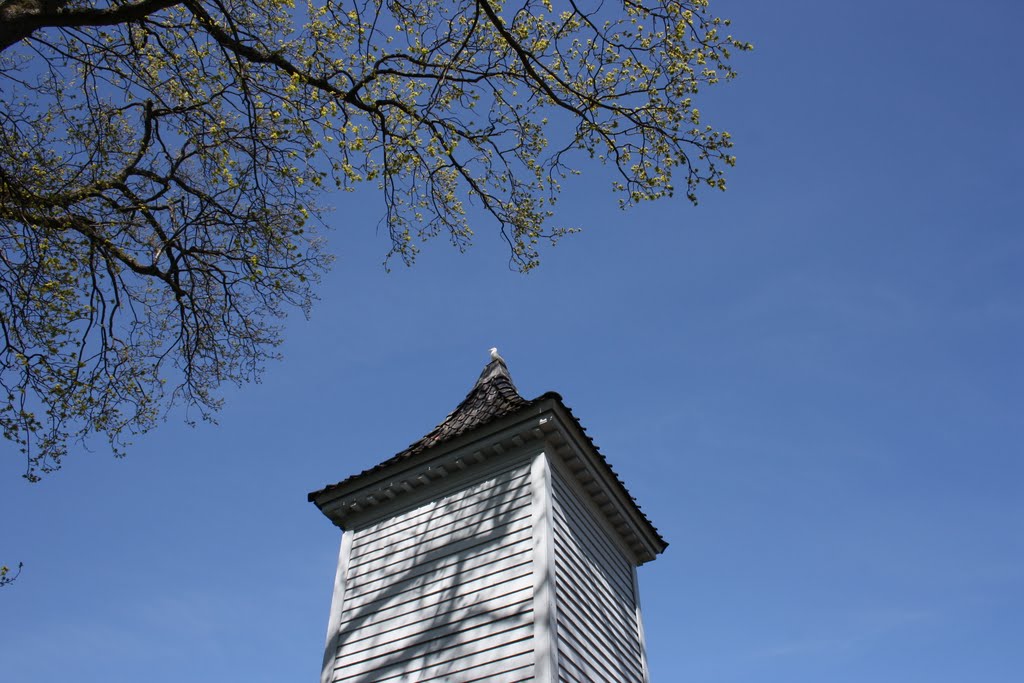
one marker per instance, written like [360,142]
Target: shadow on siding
[442,592]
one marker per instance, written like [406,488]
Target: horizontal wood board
[598,638]
[443,591]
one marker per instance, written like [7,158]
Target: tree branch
[19,19]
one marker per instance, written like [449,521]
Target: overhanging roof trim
[492,398]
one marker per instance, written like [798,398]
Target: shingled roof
[492,397]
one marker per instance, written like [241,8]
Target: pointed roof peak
[494,370]
[493,396]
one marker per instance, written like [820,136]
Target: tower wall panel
[598,637]
[442,591]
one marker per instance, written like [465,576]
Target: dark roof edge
[494,375]
[389,469]
[657,541]
[549,401]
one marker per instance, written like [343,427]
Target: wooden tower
[499,547]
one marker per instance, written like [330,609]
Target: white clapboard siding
[598,638]
[415,575]
[465,504]
[443,592]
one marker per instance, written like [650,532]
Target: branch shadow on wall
[440,591]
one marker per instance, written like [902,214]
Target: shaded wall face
[598,629]
[442,591]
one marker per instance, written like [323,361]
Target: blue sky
[812,383]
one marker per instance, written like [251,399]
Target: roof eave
[620,508]
[532,422]
[407,475]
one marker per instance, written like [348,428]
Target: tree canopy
[161,164]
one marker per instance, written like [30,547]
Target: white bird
[495,356]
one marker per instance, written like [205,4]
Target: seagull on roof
[495,356]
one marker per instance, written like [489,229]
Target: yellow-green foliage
[161,161]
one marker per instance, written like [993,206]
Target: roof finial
[495,356]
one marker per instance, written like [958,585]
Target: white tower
[499,547]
